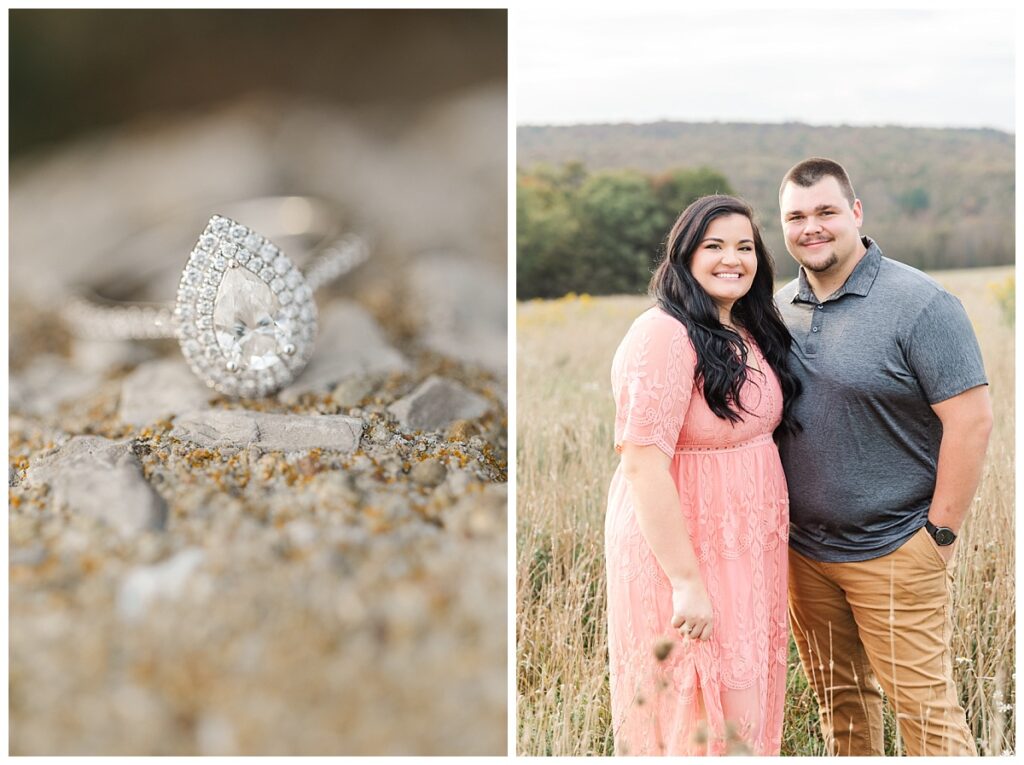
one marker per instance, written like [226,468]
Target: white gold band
[92,316]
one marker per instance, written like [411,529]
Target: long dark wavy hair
[721,352]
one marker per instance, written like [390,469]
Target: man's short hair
[810,171]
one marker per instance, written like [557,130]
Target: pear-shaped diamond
[251,330]
[242,330]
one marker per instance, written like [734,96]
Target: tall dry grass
[565,461]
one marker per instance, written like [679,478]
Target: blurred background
[620,127]
[314,602]
[73,72]
[120,119]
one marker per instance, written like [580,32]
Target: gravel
[306,574]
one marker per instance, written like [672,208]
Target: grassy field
[565,461]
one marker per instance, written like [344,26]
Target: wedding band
[244,315]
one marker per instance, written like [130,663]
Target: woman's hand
[656,504]
[691,609]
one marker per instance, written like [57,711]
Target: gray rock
[102,479]
[218,429]
[160,390]
[47,383]
[437,403]
[349,393]
[80,451]
[428,473]
[350,344]
[463,305]
[241,429]
[283,432]
[144,584]
[102,356]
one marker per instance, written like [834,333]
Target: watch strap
[934,530]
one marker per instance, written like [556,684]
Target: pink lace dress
[725,694]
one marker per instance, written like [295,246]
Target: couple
[868,376]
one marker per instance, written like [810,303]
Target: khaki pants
[886,621]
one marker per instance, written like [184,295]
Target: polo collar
[857,283]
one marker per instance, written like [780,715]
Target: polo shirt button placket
[812,344]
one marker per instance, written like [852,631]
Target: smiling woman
[725,262]
[721,316]
[698,509]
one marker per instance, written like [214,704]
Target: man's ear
[858,212]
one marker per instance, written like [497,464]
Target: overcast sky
[936,68]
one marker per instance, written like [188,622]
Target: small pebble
[160,389]
[348,393]
[437,403]
[429,472]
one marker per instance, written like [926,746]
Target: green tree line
[600,233]
[933,198]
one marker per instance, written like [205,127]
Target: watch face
[944,536]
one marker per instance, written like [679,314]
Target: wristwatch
[942,535]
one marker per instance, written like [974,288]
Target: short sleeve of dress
[652,381]
[943,350]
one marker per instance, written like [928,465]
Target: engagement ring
[244,314]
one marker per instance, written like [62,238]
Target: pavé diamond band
[244,314]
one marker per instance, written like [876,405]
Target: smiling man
[896,419]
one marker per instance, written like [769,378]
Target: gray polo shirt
[872,357]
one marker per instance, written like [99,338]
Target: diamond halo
[244,316]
